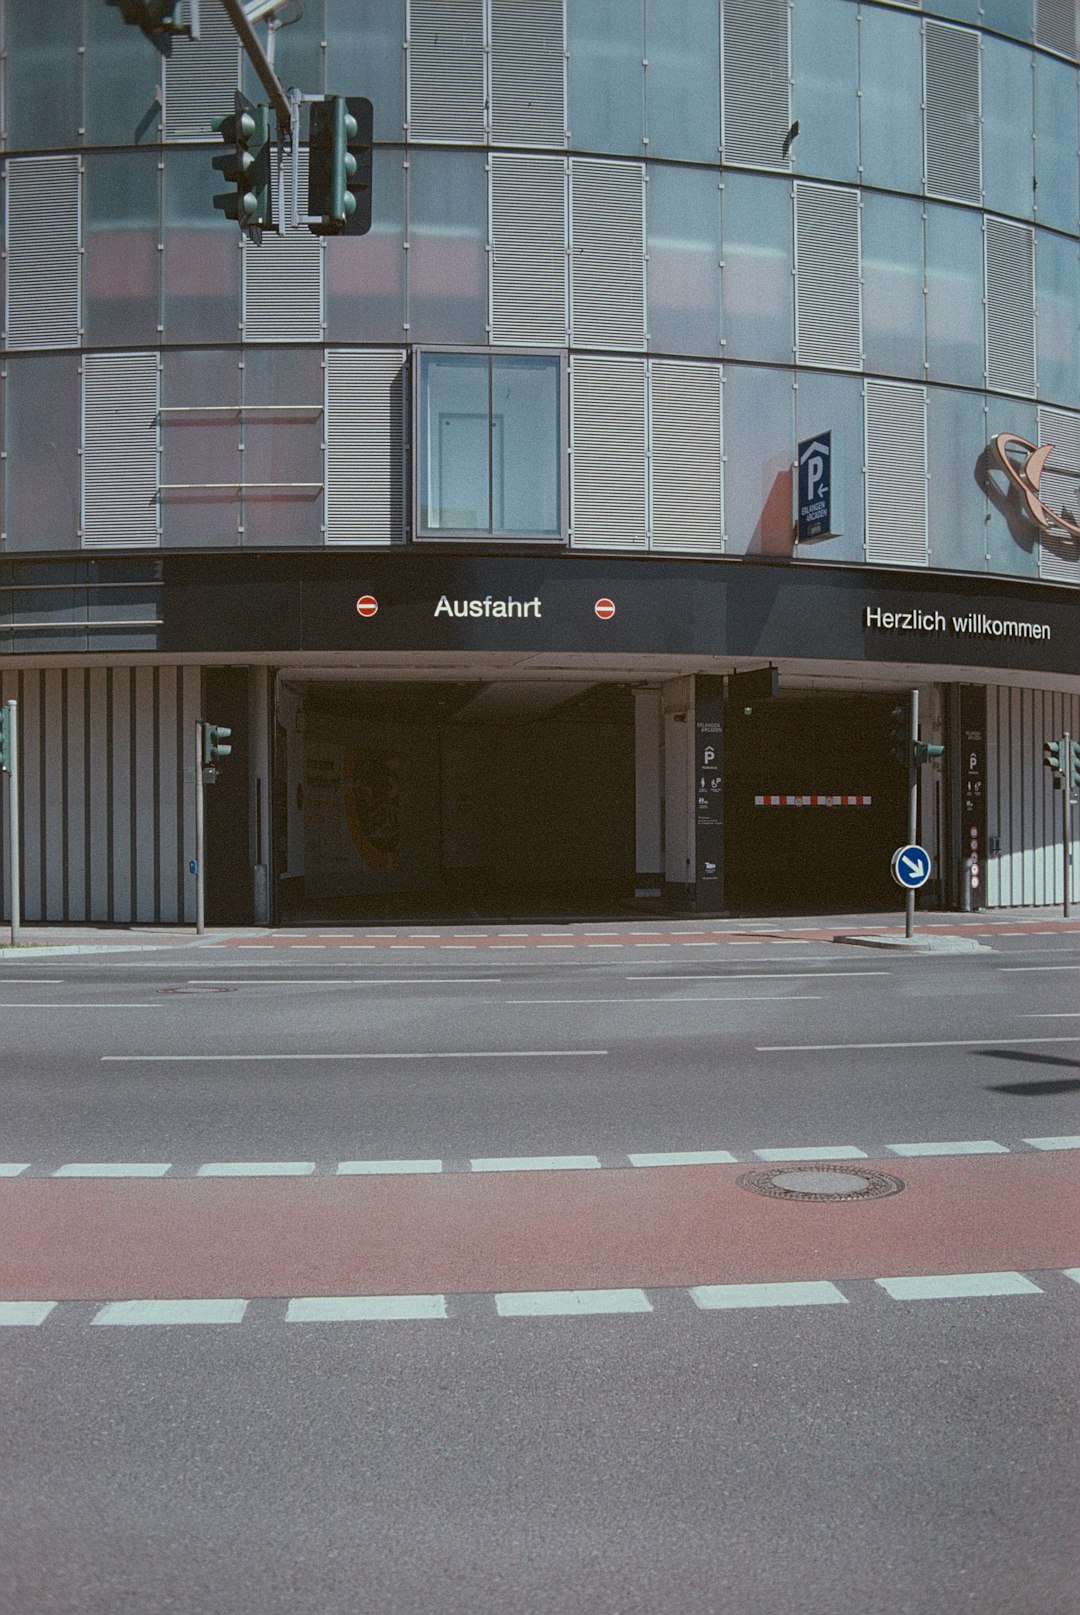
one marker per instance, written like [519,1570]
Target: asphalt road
[470,1310]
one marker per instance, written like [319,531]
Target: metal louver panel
[687,457]
[1010,306]
[953,113]
[528,101]
[607,413]
[607,255]
[896,524]
[446,70]
[756,99]
[1055,25]
[828,302]
[43,252]
[1059,488]
[201,77]
[121,450]
[528,250]
[283,282]
[365,446]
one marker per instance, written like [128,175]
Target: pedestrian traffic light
[926,751]
[339,165]
[215,745]
[900,733]
[5,740]
[1054,758]
[246,162]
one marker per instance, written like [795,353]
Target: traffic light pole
[913,806]
[200,834]
[13,822]
[1066,809]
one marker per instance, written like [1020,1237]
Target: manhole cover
[820,1182]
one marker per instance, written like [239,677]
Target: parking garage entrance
[402,801]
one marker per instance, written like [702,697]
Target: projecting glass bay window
[490,442]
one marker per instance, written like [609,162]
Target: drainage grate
[821,1182]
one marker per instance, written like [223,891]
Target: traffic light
[339,165]
[1054,759]
[926,751]
[5,740]
[246,164]
[214,743]
[1074,765]
[900,733]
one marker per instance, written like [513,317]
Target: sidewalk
[58,940]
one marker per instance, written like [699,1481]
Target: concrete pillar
[648,794]
[677,697]
[259,750]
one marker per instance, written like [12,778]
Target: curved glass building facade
[689,339]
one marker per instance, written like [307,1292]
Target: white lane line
[950,1286]
[18,1314]
[113,1169]
[378,1168]
[809,1294]
[1072,1273]
[1012,970]
[963,1146]
[1063,1143]
[928,1043]
[455,1054]
[31,981]
[685,1158]
[363,1308]
[11,1169]
[1052,1015]
[155,1005]
[534,1163]
[161,1312]
[828,1152]
[699,998]
[255,1169]
[771,975]
[569,1303]
[336,981]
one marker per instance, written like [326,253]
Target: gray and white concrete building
[464,525]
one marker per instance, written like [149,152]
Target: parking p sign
[818,508]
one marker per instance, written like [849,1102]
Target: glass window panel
[44,90]
[891,92]
[893,311]
[447,270]
[834,404]
[957,10]
[1007,119]
[759,447]
[682,79]
[956,444]
[365,275]
[122,78]
[200,447]
[298,53]
[365,55]
[1012,17]
[1012,541]
[757,285]
[283,446]
[43,463]
[684,260]
[1057,282]
[1056,167]
[454,443]
[606,89]
[122,268]
[525,446]
[202,254]
[954,295]
[825,54]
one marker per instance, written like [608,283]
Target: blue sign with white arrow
[818,509]
[910,867]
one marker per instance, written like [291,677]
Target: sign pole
[913,806]
[1066,812]
[200,827]
[13,823]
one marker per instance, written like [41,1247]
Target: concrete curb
[922,942]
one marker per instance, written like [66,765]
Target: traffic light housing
[1054,758]
[215,738]
[339,165]
[246,163]
[900,733]
[154,16]
[1074,765]
[5,740]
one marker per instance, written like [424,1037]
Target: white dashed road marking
[953,1286]
[162,1312]
[1068,1143]
[364,1308]
[969,1146]
[569,1303]
[534,1163]
[810,1294]
[379,1168]
[113,1169]
[256,1169]
[826,1152]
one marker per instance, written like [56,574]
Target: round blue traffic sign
[910,867]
